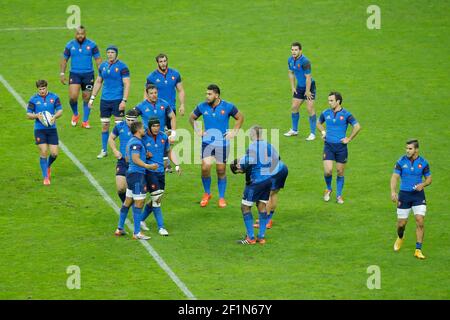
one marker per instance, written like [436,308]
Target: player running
[300,69]
[215,139]
[168,82]
[157,145]
[46,137]
[81,51]
[260,163]
[123,132]
[337,120]
[410,168]
[115,76]
[136,190]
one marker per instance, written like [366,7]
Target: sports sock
[295,119]
[51,159]
[400,232]
[44,166]
[147,211]
[339,185]
[122,196]
[312,123]
[123,216]
[207,184]
[419,245]
[86,111]
[105,140]
[158,217]
[270,215]
[137,216]
[262,224]
[328,180]
[222,186]
[74,106]
[248,221]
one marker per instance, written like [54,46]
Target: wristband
[124,100]
[173,133]
[92,98]
[323,132]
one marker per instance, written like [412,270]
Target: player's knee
[221,172]
[340,172]
[245,208]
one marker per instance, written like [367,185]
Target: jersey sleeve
[322,118]
[233,111]
[166,145]
[66,53]
[168,110]
[100,70]
[135,148]
[290,67]
[125,72]
[426,170]
[351,119]
[31,107]
[148,80]
[95,51]
[306,67]
[115,131]
[197,112]
[58,105]
[398,168]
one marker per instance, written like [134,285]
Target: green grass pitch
[394,80]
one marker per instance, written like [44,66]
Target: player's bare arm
[182,97]
[98,61]
[137,160]
[239,121]
[308,86]
[126,91]
[174,159]
[427,182]
[394,181]
[192,121]
[112,144]
[355,131]
[292,81]
[321,128]
[97,85]
[62,70]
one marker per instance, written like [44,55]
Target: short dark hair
[150,86]
[296,44]
[337,95]
[132,113]
[41,83]
[81,27]
[214,88]
[161,55]
[414,142]
[135,126]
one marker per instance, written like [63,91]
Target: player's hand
[62,78]
[151,166]
[90,103]
[178,170]
[173,135]
[294,91]
[346,140]
[419,187]
[52,120]
[122,105]
[324,134]
[200,133]
[394,197]
[117,154]
[148,155]
[230,134]
[308,95]
[40,116]
[181,109]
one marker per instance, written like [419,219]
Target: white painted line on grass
[32,28]
[108,199]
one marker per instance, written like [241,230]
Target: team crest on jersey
[298,66]
[222,112]
[162,141]
[52,100]
[88,48]
[173,78]
[162,107]
[420,166]
[117,69]
[341,117]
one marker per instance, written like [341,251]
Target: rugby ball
[46,118]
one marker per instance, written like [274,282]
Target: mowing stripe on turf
[32,28]
[108,199]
